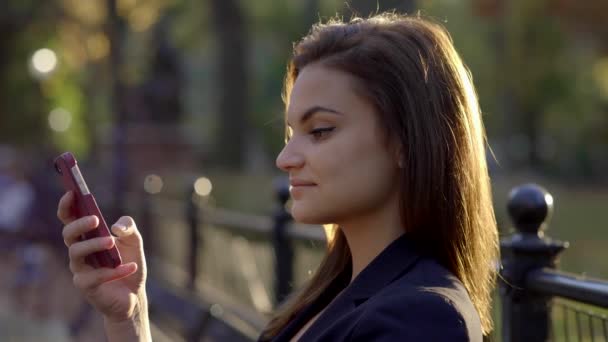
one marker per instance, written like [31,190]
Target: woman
[385,142]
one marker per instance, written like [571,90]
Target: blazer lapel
[312,309]
[395,260]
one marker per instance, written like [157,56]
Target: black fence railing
[532,289]
[539,303]
[577,323]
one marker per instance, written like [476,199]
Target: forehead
[318,85]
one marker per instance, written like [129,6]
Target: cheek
[367,185]
[355,176]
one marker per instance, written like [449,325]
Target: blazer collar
[395,260]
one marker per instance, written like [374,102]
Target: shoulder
[427,303]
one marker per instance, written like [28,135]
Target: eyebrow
[314,110]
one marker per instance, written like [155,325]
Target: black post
[283,249]
[525,314]
[116,32]
[192,215]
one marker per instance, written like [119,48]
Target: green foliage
[27,100]
[63,91]
[535,75]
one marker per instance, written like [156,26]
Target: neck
[368,235]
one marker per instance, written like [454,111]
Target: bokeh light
[153,184]
[98,46]
[125,7]
[203,186]
[142,18]
[44,61]
[60,120]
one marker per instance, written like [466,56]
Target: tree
[232,77]
[24,28]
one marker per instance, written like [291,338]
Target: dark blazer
[399,296]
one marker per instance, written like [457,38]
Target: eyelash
[319,133]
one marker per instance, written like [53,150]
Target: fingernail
[93,219]
[119,228]
[128,268]
[109,242]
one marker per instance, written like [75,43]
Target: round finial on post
[281,187]
[530,207]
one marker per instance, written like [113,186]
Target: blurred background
[166,102]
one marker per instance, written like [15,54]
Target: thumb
[126,231]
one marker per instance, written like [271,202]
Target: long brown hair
[408,69]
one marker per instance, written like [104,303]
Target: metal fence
[533,292]
[253,262]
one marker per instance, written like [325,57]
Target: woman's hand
[118,293]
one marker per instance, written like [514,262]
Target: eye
[320,133]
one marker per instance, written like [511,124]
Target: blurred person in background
[16,194]
[385,142]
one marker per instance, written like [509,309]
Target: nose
[289,159]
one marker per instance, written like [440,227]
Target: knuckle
[78,281]
[139,238]
[73,251]
[66,232]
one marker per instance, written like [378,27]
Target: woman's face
[338,164]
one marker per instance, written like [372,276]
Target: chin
[308,215]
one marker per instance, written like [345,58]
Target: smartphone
[85,205]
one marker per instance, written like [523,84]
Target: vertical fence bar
[591,330]
[192,217]
[566,322]
[579,325]
[530,207]
[283,249]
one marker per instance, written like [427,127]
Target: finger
[79,250]
[126,231]
[64,210]
[88,281]
[73,231]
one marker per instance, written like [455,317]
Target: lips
[300,182]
